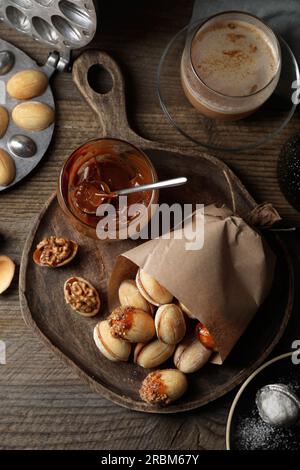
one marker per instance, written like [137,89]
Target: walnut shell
[82,296]
[191,355]
[4,119]
[163,387]
[54,252]
[132,324]
[114,349]
[27,84]
[152,354]
[33,116]
[7,271]
[130,296]
[152,290]
[7,168]
[170,324]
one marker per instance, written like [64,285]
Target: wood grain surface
[70,336]
[43,404]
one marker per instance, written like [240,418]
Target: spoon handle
[159,185]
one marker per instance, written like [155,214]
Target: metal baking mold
[62,24]
[42,139]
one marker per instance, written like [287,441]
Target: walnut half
[82,296]
[54,252]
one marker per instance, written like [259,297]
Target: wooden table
[43,404]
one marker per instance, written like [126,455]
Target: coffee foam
[234,57]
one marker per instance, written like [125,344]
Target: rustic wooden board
[70,336]
[43,403]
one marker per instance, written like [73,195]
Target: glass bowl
[119,165]
[220,135]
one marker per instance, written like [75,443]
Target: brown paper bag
[222,284]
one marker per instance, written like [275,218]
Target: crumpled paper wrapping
[223,284]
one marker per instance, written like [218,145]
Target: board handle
[110,107]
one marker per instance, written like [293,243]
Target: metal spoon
[278,405]
[90,191]
[144,187]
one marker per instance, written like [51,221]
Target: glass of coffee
[230,65]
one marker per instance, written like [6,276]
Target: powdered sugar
[249,431]
[277,405]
